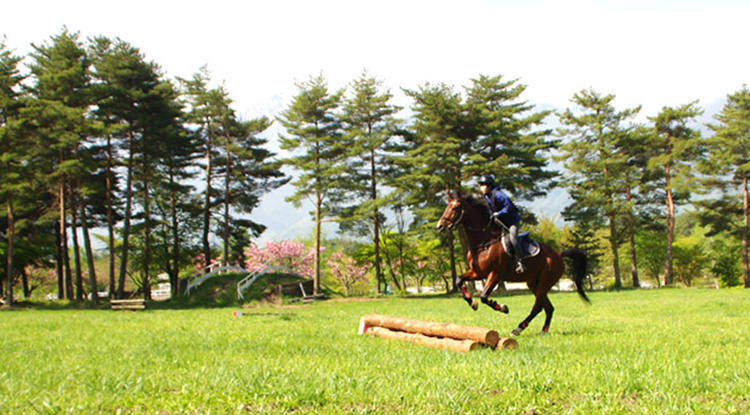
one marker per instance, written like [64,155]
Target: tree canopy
[94,135]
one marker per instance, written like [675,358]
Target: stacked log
[448,336]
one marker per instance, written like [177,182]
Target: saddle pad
[529,247]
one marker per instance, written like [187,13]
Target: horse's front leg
[487,290]
[467,296]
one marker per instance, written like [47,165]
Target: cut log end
[506,343]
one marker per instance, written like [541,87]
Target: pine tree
[175,202]
[596,161]
[313,127]
[133,103]
[161,130]
[729,154]
[455,139]
[673,148]
[237,167]
[369,123]
[12,158]
[205,108]
[507,139]
[246,168]
[177,209]
[437,148]
[105,55]
[59,113]
[641,205]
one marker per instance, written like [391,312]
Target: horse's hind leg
[536,309]
[548,310]
[541,303]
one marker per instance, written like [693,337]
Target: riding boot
[513,236]
[520,268]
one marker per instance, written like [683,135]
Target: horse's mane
[478,203]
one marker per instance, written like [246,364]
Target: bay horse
[488,258]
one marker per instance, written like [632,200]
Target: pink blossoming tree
[199,262]
[293,255]
[345,270]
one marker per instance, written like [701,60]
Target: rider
[504,214]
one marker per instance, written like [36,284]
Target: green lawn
[678,351]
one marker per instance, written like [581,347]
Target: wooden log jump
[445,343]
[448,336]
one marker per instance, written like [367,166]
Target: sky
[645,52]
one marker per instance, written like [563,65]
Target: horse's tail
[578,269]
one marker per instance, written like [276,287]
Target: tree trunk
[174,272]
[110,220]
[227,187]
[746,208]
[668,270]
[375,220]
[11,237]
[452,256]
[631,235]
[76,247]
[89,255]
[207,212]
[402,264]
[376,242]
[318,207]
[146,240]
[613,237]
[165,232]
[25,283]
[64,245]
[126,225]
[389,262]
[59,264]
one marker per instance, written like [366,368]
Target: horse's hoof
[516,332]
[503,309]
[542,333]
[474,305]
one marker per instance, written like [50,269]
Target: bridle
[461,217]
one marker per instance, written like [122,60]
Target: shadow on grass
[496,293]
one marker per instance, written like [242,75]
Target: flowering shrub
[199,262]
[345,270]
[291,254]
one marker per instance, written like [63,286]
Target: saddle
[529,247]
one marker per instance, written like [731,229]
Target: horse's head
[452,214]
[470,210]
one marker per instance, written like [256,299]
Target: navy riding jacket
[502,207]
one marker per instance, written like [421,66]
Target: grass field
[678,351]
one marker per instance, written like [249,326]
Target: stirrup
[520,269]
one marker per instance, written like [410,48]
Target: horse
[489,259]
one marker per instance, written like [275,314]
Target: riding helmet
[487,179]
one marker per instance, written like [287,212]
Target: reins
[489,224]
[460,218]
[483,245]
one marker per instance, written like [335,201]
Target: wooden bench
[299,291]
[132,304]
